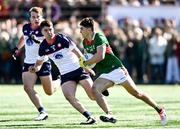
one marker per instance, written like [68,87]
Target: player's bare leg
[29,80]
[49,86]
[131,87]
[100,85]
[87,85]
[69,90]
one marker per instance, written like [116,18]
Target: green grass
[17,112]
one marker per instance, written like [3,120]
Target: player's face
[35,18]
[84,31]
[48,32]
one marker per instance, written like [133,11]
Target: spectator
[157,46]
[52,10]
[172,75]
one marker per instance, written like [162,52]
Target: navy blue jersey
[60,52]
[32,38]
[28,31]
[61,42]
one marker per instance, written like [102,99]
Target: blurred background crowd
[151,53]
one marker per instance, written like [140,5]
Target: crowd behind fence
[150,53]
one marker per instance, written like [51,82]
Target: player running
[111,71]
[31,39]
[64,53]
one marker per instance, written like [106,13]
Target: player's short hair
[38,10]
[87,23]
[45,23]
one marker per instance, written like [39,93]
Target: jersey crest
[29,42]
[58,55]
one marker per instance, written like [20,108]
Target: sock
[86,114]
[109,113]
[158,109]
[41,109]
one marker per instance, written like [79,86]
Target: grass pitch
[17,112]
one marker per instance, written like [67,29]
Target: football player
[64,53]
[111,71]
[31,39]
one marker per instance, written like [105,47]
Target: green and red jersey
[110,62]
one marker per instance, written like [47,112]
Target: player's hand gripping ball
[87,57]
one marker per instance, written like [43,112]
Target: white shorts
[117,76]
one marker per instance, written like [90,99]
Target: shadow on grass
[152,124]
[11,120]
[73,125]
[18,126]
[5,120]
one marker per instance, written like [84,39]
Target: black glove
[33,37]
[13,52]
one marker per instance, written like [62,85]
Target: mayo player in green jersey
[110,70]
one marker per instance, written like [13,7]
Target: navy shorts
[76,75]
[44,71]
